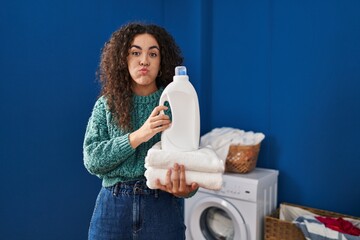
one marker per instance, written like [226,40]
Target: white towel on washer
[221,139]
[202,160]
[212,181]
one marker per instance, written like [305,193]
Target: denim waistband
[136,187]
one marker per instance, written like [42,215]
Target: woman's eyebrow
[138,47]
[152,47]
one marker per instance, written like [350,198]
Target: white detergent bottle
[184,133]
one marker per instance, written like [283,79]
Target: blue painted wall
[49,55]
[290,69]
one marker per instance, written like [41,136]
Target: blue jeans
[130,210]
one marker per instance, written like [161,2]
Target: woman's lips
[144,71]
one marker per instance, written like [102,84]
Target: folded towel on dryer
[212,181]
[221,139]
[202,160]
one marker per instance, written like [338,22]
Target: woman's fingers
[160,186]
[168,182]
[155,123]
[160,123]
[182,187]
[175,182]
[157,110]
[159,117]
[175,179]
[194,186]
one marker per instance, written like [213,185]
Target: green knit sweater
[107,150]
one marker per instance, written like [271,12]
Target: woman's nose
[144,60]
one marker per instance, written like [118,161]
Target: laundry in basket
[238,148]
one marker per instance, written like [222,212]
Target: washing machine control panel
[237,190]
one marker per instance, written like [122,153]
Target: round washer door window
[215,223]
[214,218]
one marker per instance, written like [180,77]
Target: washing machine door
[216,218]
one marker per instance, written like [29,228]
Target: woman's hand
[157,122]
[176,182]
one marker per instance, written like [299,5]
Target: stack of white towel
[221,138]
[202,166]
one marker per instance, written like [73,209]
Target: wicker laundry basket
[276,229]
[242,159]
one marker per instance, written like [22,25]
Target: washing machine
[236,211]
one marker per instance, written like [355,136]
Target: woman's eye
[153,54]
[135,53]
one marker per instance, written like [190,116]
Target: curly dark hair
[113,70]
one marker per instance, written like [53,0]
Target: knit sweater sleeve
[102,153]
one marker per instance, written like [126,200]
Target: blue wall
[289,69]
[49,55]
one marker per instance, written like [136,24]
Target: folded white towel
[203,160]
[212,181]
[221,139]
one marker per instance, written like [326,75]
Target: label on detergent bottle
[184,133]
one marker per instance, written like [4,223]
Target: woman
[136,64]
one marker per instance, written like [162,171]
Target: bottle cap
[180,70]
